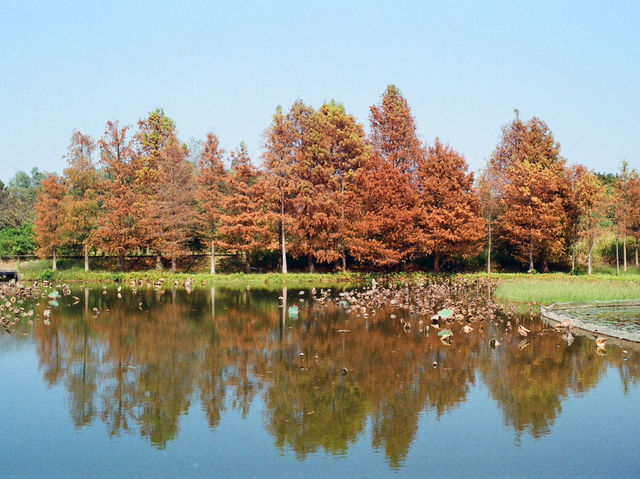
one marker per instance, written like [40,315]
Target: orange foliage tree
[448,219]
[587,194]
[284,141]
[118,232]
[211,180]
[325,171]
[626,195]
[634,214]
[171,206]
[386,186]
[244,223]
[49,217]
[532,187]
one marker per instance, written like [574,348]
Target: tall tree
[325,172]
[118,232]
[448,218]
[634,214]
[387,185]
[531,172]
[211,180]
[625,210]
[490,205]
[49,217]
[172,203]
[81,203]
[393,132]
[152,139]
[284,141]
[244,224]
[587,194]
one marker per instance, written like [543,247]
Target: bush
[46,275]
[17,241]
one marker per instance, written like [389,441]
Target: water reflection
[136,363]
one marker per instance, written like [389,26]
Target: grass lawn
[512,287]
[40,269]
[550,288]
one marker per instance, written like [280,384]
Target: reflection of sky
[591,437]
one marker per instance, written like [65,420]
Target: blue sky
[225,66]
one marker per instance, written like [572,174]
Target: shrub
[46,275]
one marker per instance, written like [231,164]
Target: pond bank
[512,287]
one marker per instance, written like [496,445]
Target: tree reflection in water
[140,362]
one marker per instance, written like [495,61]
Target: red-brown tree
[119,230]
[211,184]
[49,217]
[531,175]
[170,221]
[285,141]
[448,221]
[384,231]
[244,224]
[587,199]
[325,172]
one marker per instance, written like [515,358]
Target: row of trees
[327,192]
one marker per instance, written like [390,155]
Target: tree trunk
[545,265]
[173,264]
[573,257]
[617,258]
[122,268]
[636,252]
[436,262]
[213,258]
[86,257]
[343,255]
[590,253]
[284,243]
[312,266]
[213,304]
[624,253]
[530,259]
[489,251]
[247,266]
[284,312]
[158,263]
[54,264]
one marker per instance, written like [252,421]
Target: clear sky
[225,66]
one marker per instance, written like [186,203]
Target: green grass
[550,288]
[34,270]
[512,287]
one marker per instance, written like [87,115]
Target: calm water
[213,384]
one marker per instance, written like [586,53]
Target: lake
[219,382]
